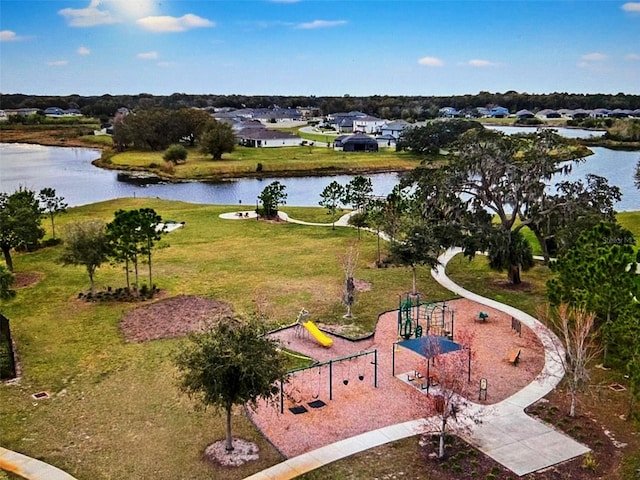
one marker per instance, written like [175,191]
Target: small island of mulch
[26,279]
[173,317]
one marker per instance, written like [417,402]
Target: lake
[69,171]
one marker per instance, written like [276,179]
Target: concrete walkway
[30,468]
[506,434]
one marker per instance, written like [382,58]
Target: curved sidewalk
[506,434]
[30,468]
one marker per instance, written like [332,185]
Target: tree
[51,206]
[20,218]
[448,371]
[271,197]
[490,172]
[148,233]
[420,246]
[230,364]
[133,233]
[432,137]
[6,281]
[86,245]
[349,262]
[122,243]
[577,328]
[358,191]
[509,250]
[217,138]
[175,154]
[558,220]
[598,275]
[193,123]
[331,196]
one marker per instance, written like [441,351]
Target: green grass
[274,161]
[115,410]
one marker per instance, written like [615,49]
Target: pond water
[70,172]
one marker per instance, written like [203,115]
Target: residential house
[394,128]
[448,112]
[358,142]
[264,138]
[367,124]
[548,113]
[522,114]
[386,141]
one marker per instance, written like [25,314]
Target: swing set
[417,318]
[326,371]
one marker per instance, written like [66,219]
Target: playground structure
[311,329]
[327,372]
[417,318]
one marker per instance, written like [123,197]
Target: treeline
[384,106]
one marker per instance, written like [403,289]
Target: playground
[351,389]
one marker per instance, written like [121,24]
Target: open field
[244,161]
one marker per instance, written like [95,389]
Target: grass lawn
[115,410]
[245,161]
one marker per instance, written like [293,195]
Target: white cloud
[633,7]
[58,63]
[594,57]
[481,63]
[83,51]
[633,56]
[321,24]
[9,36]
[166,23]
[88,17]
[148,55]
[165,64]
[430,62]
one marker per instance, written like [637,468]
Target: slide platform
[315,332]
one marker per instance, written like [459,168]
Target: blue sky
[306,47]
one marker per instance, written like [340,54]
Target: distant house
[548,113]
[386,141]
[499,112]
[521,114]
[358,142]
[448,112]
[53,112]
[264,138]
[394,128]
[343,121]
[367,124]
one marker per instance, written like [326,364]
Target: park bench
[514,356]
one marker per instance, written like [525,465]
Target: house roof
[265,134]
[359,138]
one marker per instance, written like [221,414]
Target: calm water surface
[69,171]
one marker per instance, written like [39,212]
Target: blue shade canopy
[430,345]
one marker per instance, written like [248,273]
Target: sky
[322,48]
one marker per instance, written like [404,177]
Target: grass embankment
[115,410]
[284,161]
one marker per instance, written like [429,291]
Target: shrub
[259,167]
[175,154]
[589,462]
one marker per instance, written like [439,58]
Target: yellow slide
[315,332]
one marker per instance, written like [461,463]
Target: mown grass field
[243,161]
